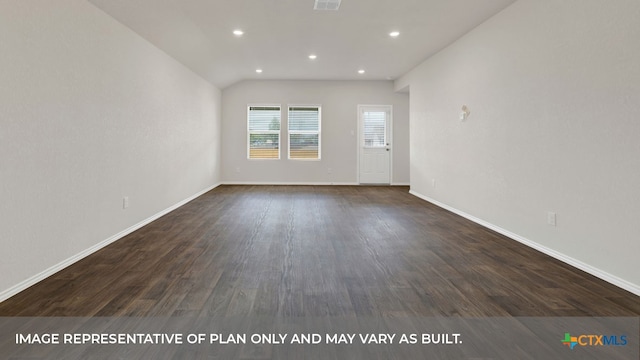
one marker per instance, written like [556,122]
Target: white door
[374,143]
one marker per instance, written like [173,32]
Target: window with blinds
[304,132]
[374,131]
[263,132]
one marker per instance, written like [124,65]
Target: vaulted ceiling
[279,35]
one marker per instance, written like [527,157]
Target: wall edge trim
[23,285]
[612,279]
[309,183]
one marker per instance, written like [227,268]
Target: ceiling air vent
[326,5]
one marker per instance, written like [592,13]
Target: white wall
[339,101]
[554,93]
[89,113]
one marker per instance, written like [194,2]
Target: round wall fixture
[464,114]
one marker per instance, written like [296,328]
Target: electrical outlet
[433,183]
[125,202]
[551,218]
[238,169]
[329,170]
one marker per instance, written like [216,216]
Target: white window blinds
[304,132]
[374,125]
[263,133]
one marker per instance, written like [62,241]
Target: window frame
[305,132]
[250,132]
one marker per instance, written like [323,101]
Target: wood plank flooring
[316,251]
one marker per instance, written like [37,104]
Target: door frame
[359,139]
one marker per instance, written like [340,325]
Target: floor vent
[327,5]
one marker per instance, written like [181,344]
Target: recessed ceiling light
[394,33]
[312,57]
[360,71]
[238,32]
[258,71]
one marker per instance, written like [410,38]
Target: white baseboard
[612,279]
[287,183]
[4,295]
[302,183]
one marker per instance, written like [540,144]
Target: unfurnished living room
[322,159]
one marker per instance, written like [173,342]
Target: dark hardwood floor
[316,251]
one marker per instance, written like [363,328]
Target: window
[263,132]
[304,132]
[374,128]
